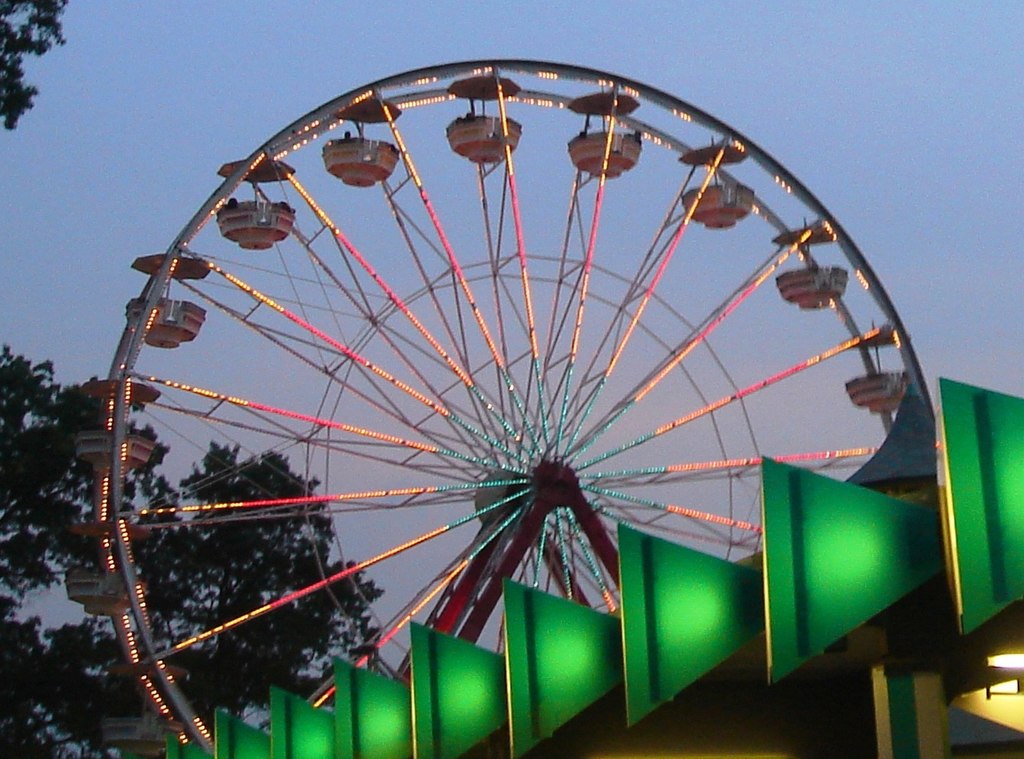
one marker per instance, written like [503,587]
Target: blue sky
[904,120]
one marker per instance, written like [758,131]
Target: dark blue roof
[909,450]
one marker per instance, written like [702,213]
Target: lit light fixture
[1008,688]
[1007,661]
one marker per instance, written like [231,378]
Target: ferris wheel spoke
[642,516]
[591,384]
[265,513]
[846,345]
[498,286]
[380,437]
[484,407]
[362,495]
[384,286]
[588,263]
[403,220]
[362,361]
[385,406]
[728,468]
[703,518]
[710,324]
[295,595]
[594,569]
[367,450]
[460,277]
[494,259]
[453,262]
[560,315]
[345,350]
[517,221]
[638,311]
[648,265]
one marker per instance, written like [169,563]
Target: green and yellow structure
[872,609]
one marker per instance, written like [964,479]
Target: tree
[43,487]
[55,690]
[204,574]
[27,27]
[54,680]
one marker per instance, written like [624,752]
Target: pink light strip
[676,239]
[702,336]
[242,402]
[761,384]
[461,373]
[344,349]
[442,237]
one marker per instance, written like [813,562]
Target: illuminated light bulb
[862,279]
[1007,661]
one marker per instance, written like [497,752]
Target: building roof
[908,452]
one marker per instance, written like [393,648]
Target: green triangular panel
[177,750]
[683,613]
[835,555]
[561,657]
[983,434]
[458,693]
[372,715]
[236,740]
[298,730]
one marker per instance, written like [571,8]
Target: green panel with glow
[372,715]
[835,555]
[298,730]
[458,693]
[561,657]
[683,613]
[983,434]
[175,749]
[236,740]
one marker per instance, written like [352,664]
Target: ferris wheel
[494,308]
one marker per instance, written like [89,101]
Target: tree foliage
[55,690]
[206,574]
[54,681]
[27,27]
[43,488]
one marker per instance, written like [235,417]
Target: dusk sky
[903,119]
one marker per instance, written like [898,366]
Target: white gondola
[144,736]
[255,225]
[94,446]
[360,162]
[176,322]
[721,206]
[480,138]
[813,288]
[879,393]
[100,593]
[587,152]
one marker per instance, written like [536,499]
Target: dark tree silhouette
[27,27]
[54,682]
[55,689]
[200,576]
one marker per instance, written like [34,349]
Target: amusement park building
[878,604]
